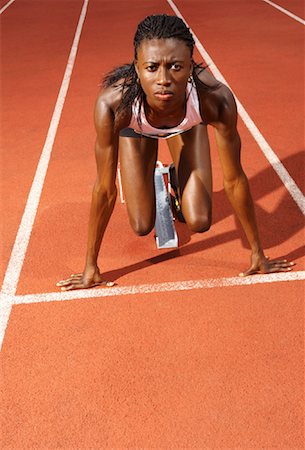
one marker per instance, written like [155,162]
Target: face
[163,67]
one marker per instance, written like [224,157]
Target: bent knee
[200,224]
[142,228]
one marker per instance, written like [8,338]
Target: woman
[165,94]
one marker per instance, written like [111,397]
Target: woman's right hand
[91,277]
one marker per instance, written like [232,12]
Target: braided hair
[157,26]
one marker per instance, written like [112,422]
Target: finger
[76,275]
[106,284]
[73,285]
[282,264]
[279,269]
[80,285]
[250,271]
[276,261]
[282,261]
[65,282]
[69,280]
[289,264]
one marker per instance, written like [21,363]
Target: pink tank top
[192,118]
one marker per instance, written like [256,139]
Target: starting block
[165,231]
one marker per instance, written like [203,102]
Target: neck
[167,116]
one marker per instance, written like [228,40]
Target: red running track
[205,368]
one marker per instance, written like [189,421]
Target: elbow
[231,184]
[105,192]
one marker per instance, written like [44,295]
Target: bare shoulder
[106,106]
[216,100]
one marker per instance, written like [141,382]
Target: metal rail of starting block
[166,235]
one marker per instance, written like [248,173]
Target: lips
[163,95]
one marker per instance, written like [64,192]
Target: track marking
[285,11]
[7,301]
[5,311]
[8,297]
[120,184]
[15,264]
[159,287]
[271,156]
[24,232]
[6,6]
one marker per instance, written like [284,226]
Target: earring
[190,79]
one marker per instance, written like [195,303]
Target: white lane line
[5,310]
[285,11]
[24,232]
[120,185]
[6,6]
[273,159]
[160,287]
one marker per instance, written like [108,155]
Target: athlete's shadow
[183,251]
[276,226]
[284,218]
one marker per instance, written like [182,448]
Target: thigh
[137,163]
[191,156]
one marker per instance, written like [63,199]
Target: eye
[151,67]
[176,66]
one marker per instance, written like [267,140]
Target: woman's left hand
[262,264]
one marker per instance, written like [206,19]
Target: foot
[176,203]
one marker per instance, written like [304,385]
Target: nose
[163,77]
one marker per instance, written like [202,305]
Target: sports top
[192,117]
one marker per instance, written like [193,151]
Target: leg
[191,155]
[138,157]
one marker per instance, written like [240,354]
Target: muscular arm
[234,178]
[236,184]
[104,190]
[103,196]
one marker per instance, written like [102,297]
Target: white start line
[12,275]
[171,286]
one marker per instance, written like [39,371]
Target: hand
[262,264]
[89,278]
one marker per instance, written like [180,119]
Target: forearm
[239,194]
[102,205]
